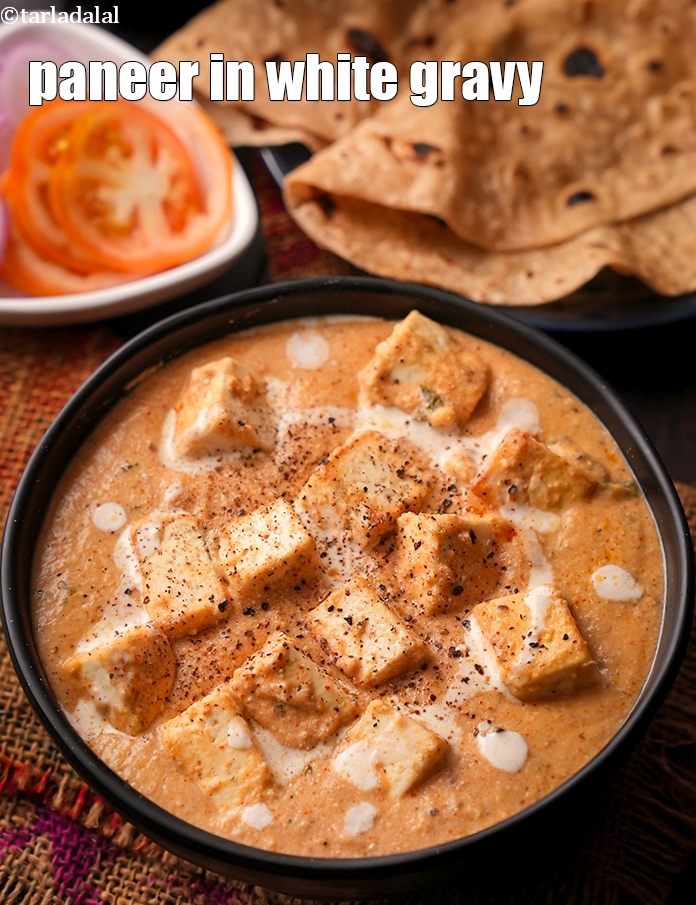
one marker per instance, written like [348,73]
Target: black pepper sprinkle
[248,611]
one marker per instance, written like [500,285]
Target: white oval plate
[88,42]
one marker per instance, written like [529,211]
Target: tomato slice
[99,193]
[207,146]
[29,271]
[39,141]
[130,195]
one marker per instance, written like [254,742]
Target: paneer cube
[128,676]
[523,470]
[445,561]
[181,589]
[362,489]
[370,644]
[422,369]
[269,547]
[222,409]
[537,643]
[390,751]
[460,465]
[212,743]
[286,693]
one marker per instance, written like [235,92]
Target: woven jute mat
[59,843]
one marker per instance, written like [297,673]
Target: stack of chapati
[503,203]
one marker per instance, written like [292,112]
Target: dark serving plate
[389,875]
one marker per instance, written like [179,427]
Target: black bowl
[315,877]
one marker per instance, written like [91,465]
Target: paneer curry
[343,587]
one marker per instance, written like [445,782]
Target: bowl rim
[163,341]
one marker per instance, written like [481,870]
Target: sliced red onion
[14,83]
[6,132]
[14,73]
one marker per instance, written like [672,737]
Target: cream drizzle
[502,748]
[257,816]
[173,492]
[124,612]
[239,735]
[439,444]
[613,582]
[538,600]
[287,763]
[529,521]
[307,350]
[109,517]
[359,819]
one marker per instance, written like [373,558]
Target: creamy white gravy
[340,795]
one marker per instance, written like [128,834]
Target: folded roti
[274,30]
[612,137]
[658,248]
[504,203]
